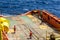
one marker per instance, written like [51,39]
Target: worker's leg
[30,36]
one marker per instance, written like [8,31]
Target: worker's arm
[4,35]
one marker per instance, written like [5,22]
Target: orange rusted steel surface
[52,19]
[48,17]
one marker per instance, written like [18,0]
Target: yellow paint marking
[43,27]
[30,16]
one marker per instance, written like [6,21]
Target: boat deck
[24,24]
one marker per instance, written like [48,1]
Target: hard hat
[4,24]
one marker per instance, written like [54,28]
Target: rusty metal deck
[24,23]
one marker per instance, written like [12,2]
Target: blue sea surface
[15,7]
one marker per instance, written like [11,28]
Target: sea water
[16,7]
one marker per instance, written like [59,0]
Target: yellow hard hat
[3,20]
[1,27]
[4,24]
